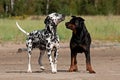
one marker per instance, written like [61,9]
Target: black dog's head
[74,23]
[54,18]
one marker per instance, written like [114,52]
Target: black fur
[80,42]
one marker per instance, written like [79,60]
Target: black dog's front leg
[73,66]
[88,62]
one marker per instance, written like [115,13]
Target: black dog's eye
[76,22]
[72,21]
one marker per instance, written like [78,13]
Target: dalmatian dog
[46,40]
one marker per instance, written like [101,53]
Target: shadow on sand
[45,71]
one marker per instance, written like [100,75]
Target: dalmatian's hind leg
[29,49]
[42,52]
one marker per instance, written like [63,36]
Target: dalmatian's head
[54,19]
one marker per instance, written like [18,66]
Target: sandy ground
[13,65]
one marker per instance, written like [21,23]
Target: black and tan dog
[80,42]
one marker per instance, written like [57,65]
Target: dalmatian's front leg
[51,61]
[56,50]
[55,59]
[49,47]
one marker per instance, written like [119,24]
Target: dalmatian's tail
[21,29]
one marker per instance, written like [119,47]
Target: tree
[47,6]
[68,7]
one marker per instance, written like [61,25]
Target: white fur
[21,29]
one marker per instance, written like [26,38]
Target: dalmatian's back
[38,38]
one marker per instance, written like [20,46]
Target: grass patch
[104,27]
[100,28]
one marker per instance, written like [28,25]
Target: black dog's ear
[47,20]
[81,19]
[73,16]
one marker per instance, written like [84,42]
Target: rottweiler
[80,42]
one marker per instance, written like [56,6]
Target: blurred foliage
[10,8]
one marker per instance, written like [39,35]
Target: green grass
[9,31]
[104,27]
[100,28]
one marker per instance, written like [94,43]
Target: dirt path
[105,61]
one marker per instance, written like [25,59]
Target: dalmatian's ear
[47,20]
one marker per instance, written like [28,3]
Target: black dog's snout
[66,24]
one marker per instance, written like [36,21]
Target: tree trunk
[47,7]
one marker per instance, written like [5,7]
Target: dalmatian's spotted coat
[46,40]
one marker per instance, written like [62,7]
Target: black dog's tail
[21,29]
